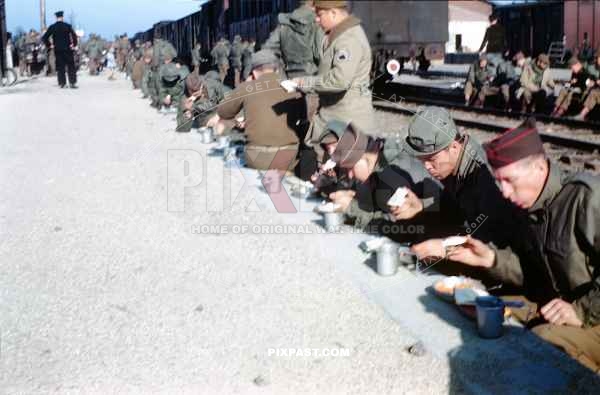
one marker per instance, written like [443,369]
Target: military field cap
[264,57]
[351,147]
[59,14]
[514,144]
[169,72]
[430,130]
[331,4]
[544,58]
[333,131]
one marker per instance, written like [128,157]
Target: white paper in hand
[328,165]
[399,197]
[454,241]
[289,86]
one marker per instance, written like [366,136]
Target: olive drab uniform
[162,50]
[591,97]
[297,41]
[561,259]
[247,59]
[196,58]
[342,82]
[479,84]
[147,75]
[236,59]
[171,84]
[220,54]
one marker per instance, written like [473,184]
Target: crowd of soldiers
[303,105]
[32,55]
[528,84]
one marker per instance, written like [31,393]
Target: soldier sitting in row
[573,90]
[507,76]
[172,75]
[591,97]
[536,84]
[554,255]
[479,82]
[271,115]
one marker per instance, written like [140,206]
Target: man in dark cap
[573,90]
[271,115]
[470,195]
[557,256]
[379,167]
[64,41]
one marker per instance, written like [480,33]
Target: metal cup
[223,141]
[333,220]
[490,316]
[387,259]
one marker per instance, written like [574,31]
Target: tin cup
[333,220]
[387,259]
[490,316]
[223,141]
[206,135]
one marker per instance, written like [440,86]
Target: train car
[582,23]
[405,25]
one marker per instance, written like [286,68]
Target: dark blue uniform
[64,39]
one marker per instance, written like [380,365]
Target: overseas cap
[59,14]
[351,146]
[331,3]
[430,130]
[514,144]
[264,57]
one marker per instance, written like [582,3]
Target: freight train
[392,25]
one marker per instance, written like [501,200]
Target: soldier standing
[247,57]
[342,82]
[162,53]
[297,41]
[64,41]
[236,59]
[197,57]
[220,54]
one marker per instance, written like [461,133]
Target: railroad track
[408,92]
[552,138]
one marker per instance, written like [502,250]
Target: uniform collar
[554,184]
[346,24]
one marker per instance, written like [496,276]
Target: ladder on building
[557,52]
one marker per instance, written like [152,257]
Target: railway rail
[574,143]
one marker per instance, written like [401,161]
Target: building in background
[467,22]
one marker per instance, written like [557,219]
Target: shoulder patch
[342,55]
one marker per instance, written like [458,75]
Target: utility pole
[42,14]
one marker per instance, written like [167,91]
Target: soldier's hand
[432,248]
[213,121]
[559,312]
[411,207]
[473,253]
[342,198]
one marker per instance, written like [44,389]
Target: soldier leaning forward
[171,85]
[555,255]
[342,82]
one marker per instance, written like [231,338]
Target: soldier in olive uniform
[147,79]
[297,41]
[220,54]
[591,97]
[171,86]
[236,59]
[163,53]
[479,82]
[470,194]
[247,51]
[555,256]
[197,57]
[342,82]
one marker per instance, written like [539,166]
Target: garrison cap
[351,147]
[264,57]
[430,130]
[59,14]
[514,144]
[333,131]
[331,4]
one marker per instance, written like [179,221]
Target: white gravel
[103,290]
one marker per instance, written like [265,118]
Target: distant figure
[220,54]
[247,53]
[591,97]
[573,90]
[424,63]
[495,40]
[236,58]
[536,84]
[64,41]
[479,82]
[197,57]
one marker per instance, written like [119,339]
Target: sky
[106,17]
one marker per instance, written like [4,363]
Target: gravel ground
[103,290]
